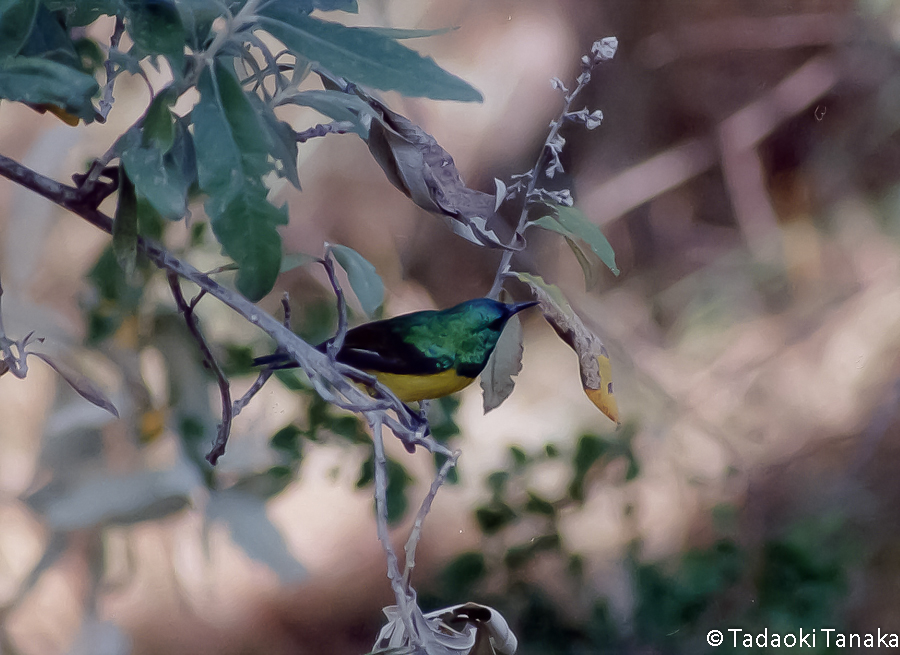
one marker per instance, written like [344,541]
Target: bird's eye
[496,324]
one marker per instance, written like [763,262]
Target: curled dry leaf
[504,364]
[85,387]
[417,165]
[468,629]
[593,360]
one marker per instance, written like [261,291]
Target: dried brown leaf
[417,165]
[593,359]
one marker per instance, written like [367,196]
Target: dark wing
[379,346]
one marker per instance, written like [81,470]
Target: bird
[422,355]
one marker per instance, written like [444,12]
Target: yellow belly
[409,388]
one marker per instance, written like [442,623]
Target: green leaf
[497,482]
[49,39]
[125,227]
[79,13]
[232,153]
[494,517]
[245,227]
[156,28]
[578,224]
[589,449]
[550,224]
[16,19]
[364,279]
[538,505]
[364,56]
[399,33]
[296,260]
[161,177]
[519,555]
[44,82]
[348,6]
[116,297]
[89,54]
[587,270]
[197,17]
[159,123]
[462,574]
[336,105]
[287,440]
[282,140]
[519,456]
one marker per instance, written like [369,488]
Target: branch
[266,373]
[416,532]
[335,382]
[106,102]
[400,593]
[187,310]
[337,342]
[602,50]
[335,127]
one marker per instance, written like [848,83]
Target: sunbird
[425,354]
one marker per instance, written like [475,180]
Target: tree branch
[187,310]
[332,380]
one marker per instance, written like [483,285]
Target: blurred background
[747,174]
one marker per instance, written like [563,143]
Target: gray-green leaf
[232,146]
[253,532]
[156,27]
[505,363]
[16,19]
[124,230]
[364,56]
[42,81]
[578,224]
[364,279]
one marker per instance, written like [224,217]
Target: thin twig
[187,310]
[201,60]
[286,308]
[416,532]
[337,342]
[244,400]
[266,373]
[13,362]
[316,364]
[6,356]
[381,520]
[550,150]
[109,66]
[335,127]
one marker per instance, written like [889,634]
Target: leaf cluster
[232,142]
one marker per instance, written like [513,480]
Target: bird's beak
[519,306]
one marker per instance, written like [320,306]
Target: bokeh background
[747,173]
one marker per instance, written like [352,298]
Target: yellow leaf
[59,112]
[593,360]
[151,424]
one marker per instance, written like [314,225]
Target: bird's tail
[275,360]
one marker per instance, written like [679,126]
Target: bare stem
[601,51]
[416,532]
[381,519]
[111,73]
[187,310]
[324,373]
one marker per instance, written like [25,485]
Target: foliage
[214,131]
[786,583]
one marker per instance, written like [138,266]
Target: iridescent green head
[462,337]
